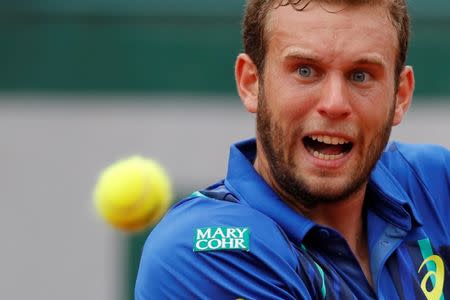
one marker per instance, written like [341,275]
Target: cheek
[293,103]
[286,96]
[377,99]
[373,113]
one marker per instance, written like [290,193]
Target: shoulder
[423,154]
[201,211]
[263,264]
[423,173]
[425,162]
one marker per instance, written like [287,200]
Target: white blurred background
[53,244]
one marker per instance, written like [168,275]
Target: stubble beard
[278,148]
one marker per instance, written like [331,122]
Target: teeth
[327,156]
[335,140]
[330,140]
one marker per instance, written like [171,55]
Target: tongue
[328,149]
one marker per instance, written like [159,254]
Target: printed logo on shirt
[222,238]
[432,290]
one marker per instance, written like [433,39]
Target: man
[317,207]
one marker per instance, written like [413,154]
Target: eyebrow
[300,54]
[371,59]
[306,54]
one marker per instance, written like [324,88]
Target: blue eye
[359,76]
[305,71]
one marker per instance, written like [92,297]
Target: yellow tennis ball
[133,194]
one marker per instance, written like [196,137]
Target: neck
[345,216]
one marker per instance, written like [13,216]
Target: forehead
[333,30]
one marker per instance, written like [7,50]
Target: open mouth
[327,147]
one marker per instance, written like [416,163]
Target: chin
[325,190]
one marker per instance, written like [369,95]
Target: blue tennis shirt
[238,240]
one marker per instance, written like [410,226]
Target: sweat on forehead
[301,4]
[330,6]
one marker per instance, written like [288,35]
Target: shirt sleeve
[170,269]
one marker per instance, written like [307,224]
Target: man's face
[326,99]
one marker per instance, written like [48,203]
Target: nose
[334,102]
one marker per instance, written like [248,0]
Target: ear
[247,81]
[404,94]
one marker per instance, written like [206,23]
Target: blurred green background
[163,47]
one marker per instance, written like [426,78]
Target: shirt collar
[392,203]
[242,179]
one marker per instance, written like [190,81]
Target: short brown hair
[255,20]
